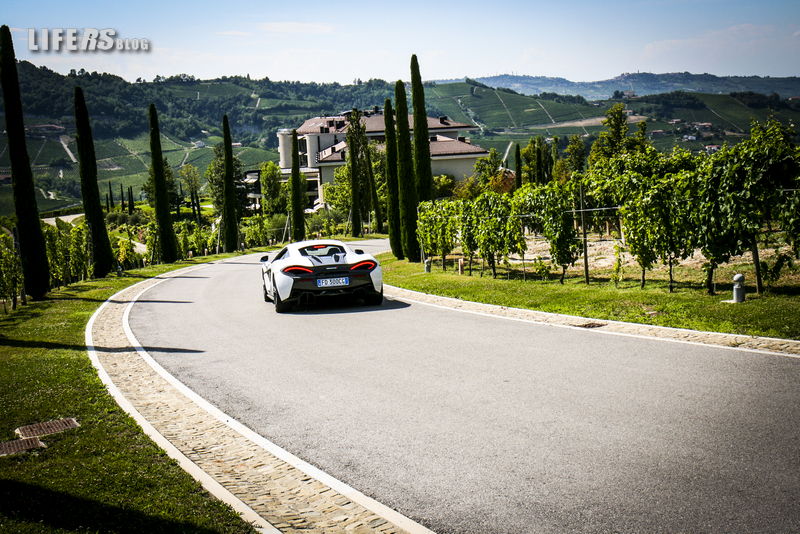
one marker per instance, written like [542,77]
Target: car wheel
[280,305]
[374,299]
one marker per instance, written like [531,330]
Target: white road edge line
[211,485]
[595,330]
[393,516]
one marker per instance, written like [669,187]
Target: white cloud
[316,28]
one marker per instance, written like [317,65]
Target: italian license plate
[333,282]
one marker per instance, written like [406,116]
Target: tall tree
[373,187]
[614,139]
[271,199]
[102,255]
[230,222]
[422,146]
[32,247]
[130,200]
[297,194]
[215,174]
[406,186]
[111,195]
[517,167]
[576,154]
[167,244]
[355,147]
[395,240]
[190,175]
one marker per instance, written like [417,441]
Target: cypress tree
[356,183]
[32,249]
[407,190]
[230,223]
[518,168]
[108,206]
[422,146]
[373,189]
[298,206]
[102,255]
[130,200]
[110,196]
[166,234]
[395,240]
[121,198]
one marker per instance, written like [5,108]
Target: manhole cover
[20,445]
[590,325]
[49,427]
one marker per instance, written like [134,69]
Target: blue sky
[313,40]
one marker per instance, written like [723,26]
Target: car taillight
[366,265]
[296,269]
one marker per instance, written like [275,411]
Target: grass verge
[107,475]
[774,314]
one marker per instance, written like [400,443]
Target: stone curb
[767,345]
[272,489]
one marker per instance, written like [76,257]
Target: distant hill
[644,83]
[191,110]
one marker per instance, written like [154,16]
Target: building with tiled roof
[323,147]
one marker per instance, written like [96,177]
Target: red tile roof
[443,146]
[373,123]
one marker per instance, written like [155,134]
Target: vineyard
[658,208]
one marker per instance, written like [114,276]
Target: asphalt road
[469,424]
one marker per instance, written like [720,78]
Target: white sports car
[305,270]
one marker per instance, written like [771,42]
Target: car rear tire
[280,305]
[374,299]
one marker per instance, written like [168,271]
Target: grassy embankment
[774,314]
[105,476]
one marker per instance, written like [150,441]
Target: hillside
[190,111]
[644,83]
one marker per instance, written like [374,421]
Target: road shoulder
[784,347]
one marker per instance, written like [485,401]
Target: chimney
[443,119]
[432,138]
[462,138]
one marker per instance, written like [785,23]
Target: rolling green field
[206,89]
[119,161]
[503,110]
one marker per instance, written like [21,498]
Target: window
[321,250]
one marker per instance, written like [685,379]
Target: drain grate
[590,325]
[46,428]
[20,445]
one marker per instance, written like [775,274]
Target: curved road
[468,423]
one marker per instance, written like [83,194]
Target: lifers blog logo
[83,40]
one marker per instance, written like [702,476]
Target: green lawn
[776,314]
[105,476]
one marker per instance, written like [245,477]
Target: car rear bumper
[359,283]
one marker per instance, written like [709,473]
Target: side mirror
[264,258]
[359,251]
